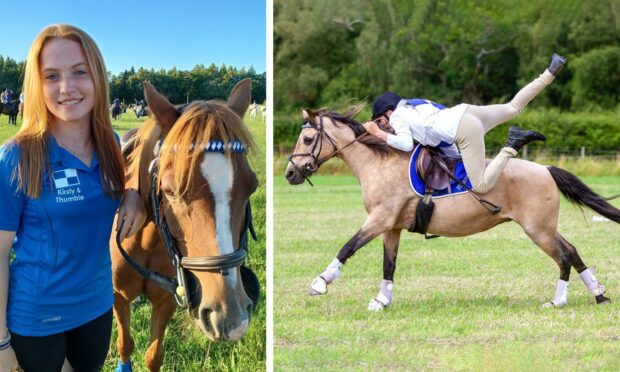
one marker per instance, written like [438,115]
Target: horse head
[202,183]
[312,148]
[324,134]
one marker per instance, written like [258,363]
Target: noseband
[309,169]
[222,263]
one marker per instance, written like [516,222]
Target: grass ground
[186,348]
[459,304]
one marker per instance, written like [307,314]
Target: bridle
[309,168]
[222,263]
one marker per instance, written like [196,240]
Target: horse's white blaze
[216,168]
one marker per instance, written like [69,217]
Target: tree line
[331,53]
[199,83]
[449,51]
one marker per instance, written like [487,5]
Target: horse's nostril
[289,174]
[205,317]
[250,308]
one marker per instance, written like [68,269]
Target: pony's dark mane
[348,118]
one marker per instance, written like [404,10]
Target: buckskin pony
[190,163]
[527,193]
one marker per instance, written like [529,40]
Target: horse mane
[348,118]
[198,123]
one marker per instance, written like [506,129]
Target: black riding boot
[556,64]
[518,137]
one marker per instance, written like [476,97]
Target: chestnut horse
[190,164]
[526,191]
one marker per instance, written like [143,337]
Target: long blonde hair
[32,139]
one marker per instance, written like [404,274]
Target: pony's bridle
[222,263]
[309,168]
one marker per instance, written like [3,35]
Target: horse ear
[308,115]
[163,110]
[239,98]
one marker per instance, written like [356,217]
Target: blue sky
[141,33]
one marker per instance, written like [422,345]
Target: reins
[339,151]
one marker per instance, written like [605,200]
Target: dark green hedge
[566,132]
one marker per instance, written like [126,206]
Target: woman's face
[384,119]
[68,86]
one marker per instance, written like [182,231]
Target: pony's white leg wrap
[384,298]
[319,284]
[593,285]
[561,294]
[332,271]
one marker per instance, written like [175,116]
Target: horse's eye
[307,140]
[167,189]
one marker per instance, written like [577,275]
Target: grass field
[186,348]
[459,304]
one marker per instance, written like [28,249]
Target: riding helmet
[386,101]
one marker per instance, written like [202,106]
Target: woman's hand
[371,127]
[131,214]
[8,360]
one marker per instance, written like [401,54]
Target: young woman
[61,182]
[464,125]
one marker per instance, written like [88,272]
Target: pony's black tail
[580,194]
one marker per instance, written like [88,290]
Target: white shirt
[427,124]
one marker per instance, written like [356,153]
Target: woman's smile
[68,86]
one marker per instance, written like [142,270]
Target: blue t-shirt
[61,276]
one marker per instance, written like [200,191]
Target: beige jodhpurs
[478,120]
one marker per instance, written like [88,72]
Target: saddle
[437,170]
[431,165]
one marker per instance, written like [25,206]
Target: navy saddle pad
[419,187]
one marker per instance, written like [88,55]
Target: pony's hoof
[602,300]
[318,286]
[123,367]
[551,304]
[376,305]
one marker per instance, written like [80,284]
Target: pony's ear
[308,115]
[239,98]
[163,110]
